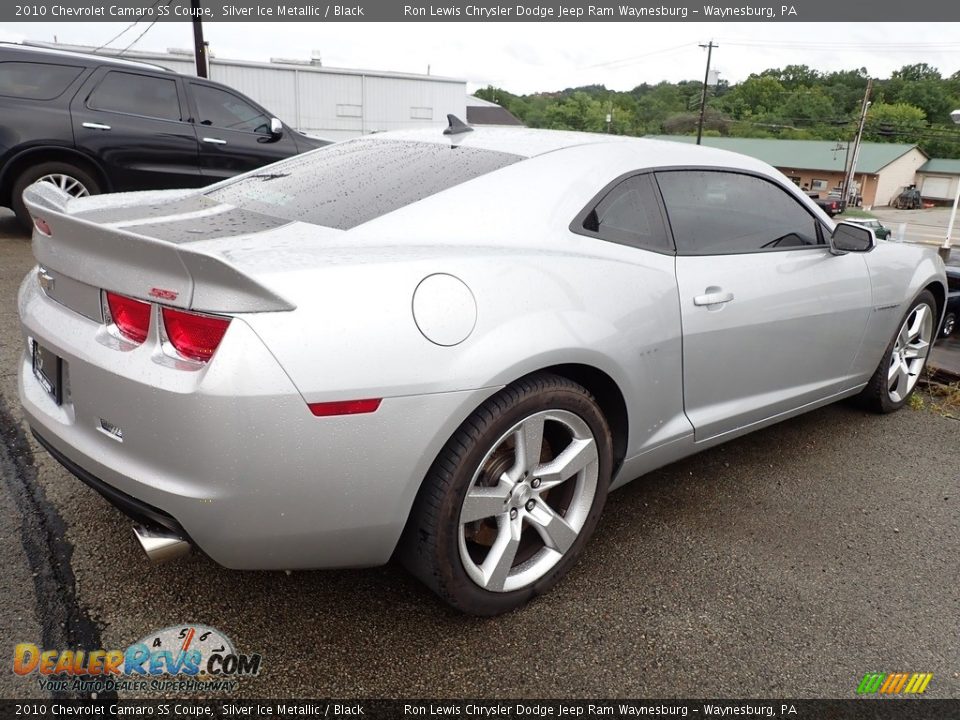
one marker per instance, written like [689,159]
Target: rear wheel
[512,498]
[70,178]
[896,377]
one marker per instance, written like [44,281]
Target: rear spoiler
[138,265]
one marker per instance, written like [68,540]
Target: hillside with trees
[795,102]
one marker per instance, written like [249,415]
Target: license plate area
[48,369]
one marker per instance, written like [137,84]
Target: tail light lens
[195,336]
[132,317]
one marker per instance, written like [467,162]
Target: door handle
[96,126]
[713,296]
[215,141]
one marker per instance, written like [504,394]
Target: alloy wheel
[528,500]
[910,351]
[68,184]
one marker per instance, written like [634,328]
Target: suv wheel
[73,180]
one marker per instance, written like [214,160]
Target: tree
[894,123]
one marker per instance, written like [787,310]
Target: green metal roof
[826,155]
[945,167]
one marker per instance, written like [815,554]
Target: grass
[855,213]
[944,399]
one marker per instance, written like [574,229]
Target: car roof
[88,58]
[529,142]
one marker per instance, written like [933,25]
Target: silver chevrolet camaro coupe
[445,346]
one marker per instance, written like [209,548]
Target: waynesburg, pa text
[625,12]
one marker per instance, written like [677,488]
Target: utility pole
[199,46]
[851,171]
[703,93]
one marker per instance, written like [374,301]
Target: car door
[134,124]
[234,133]
[772,319]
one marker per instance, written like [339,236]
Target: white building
[333,103]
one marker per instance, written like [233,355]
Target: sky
[530,57]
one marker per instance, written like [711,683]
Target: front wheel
[949,325]
[896,377]
[512,498]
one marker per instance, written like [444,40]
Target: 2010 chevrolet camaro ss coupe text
[446,345]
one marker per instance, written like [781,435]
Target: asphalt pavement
[784,564]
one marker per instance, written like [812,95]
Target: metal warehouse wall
[333,103]
[339,105]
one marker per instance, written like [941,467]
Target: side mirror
[276,127]
[850,237]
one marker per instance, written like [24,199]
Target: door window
[221,109]
[717,213]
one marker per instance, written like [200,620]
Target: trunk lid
[148,249]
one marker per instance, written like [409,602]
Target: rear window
[347,184]
[36,81]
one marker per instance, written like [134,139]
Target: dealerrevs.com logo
[181,658]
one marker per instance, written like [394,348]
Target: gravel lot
[787,563]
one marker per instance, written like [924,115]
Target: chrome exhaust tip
[160,545]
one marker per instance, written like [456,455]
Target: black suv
[94,124]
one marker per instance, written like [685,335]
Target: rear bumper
[230,456]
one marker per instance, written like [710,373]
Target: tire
[895,379]
[77,181]
[949,325]
[482,501]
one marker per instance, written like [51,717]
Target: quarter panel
[608,306]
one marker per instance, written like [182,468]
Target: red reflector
[344,407]
[41,225]
[131,317]
[194,336]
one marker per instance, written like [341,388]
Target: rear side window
[350,183]
[218,108]
[719,213]
[36,81]
[135,94]
[629,214]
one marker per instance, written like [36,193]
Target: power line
[122,32]
[634,58]
[137,39]
[125,30]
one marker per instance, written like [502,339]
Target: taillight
[344,407]
[131,317]
[194,336]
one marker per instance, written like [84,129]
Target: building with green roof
[883,169]
[937,179]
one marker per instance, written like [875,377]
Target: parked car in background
[451,346]
[882,232]
[92,124]
[831,206]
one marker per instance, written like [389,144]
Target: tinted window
[629,214]
[36,81]
[137,95]
[349,183]
[218,108]
[714,213]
